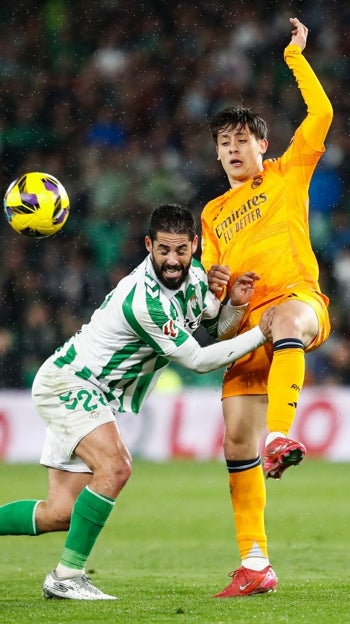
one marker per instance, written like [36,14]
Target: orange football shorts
[249,374]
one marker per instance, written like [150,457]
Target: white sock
[273,435]
[63,572]
[255,563]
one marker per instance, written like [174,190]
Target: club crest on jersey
[194,303]
[170,329]
[257,180]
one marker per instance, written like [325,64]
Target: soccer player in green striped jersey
[111,366]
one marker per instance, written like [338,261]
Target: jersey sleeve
[230,320]
[205,359]
[319,109]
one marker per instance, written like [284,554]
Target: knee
[287,325]
[236,447]
[111,479]
[230,447]
[123,471]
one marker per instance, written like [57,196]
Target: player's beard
[169,282]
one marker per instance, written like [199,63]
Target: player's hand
[218,278]
[299,33]
[266,321]
[243,288]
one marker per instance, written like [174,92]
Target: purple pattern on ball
[29,198]
[50,186]
[61,217]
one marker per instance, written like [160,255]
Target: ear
[217,153]
[148,243]
[263,145]
[194,244]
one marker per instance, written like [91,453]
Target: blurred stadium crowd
[112,97]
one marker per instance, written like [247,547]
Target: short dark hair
[172,218]
[237,117]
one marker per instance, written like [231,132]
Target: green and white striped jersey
[139,327]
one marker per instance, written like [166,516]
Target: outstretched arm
[204,359]
[319,109]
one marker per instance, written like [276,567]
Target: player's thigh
[103,448]
[245,422]
[295,319]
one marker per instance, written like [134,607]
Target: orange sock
[284,384]
[248,498]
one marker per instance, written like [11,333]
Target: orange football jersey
[262,225]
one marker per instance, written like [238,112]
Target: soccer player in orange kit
[261,224]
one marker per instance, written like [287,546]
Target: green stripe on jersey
[157,315]
[119,357]
[142,387]
[161,319]
[202,283]
[141,382]
[67,358]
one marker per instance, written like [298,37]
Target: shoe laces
[242,570]
[234,573]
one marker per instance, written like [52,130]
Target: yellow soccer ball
[36,204]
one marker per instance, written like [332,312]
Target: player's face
[171,257]
[240,154]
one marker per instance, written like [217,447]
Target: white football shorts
[71,407]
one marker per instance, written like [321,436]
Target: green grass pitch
[169,545]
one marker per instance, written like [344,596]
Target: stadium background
[170,542]
[112,98]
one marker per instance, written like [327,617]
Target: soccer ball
[36,204]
